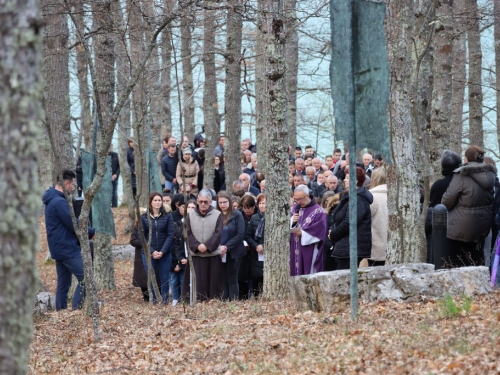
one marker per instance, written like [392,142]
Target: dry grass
[257,337]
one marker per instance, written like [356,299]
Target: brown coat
[191,170]
[469,200]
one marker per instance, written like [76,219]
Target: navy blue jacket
[169,167]
[235,235]
[61,235]
[131,159]
[162,234]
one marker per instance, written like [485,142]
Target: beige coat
[191,173]
[380,221]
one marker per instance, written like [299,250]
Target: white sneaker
[174,302]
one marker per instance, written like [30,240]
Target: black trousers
[344,263]
[230,288]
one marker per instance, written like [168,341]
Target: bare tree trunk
[233,95]
[439,139]
[104,43]
[405,238]
[292,64]
[459,75]
[45,158]
[210,100]
[83,83]
[20,43]
[496,12]
[476,135]
[187,74]
[153,79]
[55,71]
[124,125]
[166,76]
[260,119]
[139,104]
[277,249]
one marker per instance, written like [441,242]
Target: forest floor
[447,336]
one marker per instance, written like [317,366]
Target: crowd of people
[224,234]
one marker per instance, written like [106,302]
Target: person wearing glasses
[232,246]
[204,234]
[308,226]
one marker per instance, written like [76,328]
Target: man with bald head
[245,178]
[308,227]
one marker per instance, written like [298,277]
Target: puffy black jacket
[169,167]
[235,234]
[162,234]
[219,179]
[469,200]
[339,234]
[257,268]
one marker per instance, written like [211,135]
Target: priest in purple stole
[308,228]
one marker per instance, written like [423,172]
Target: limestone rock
[44,302]
[123,252]
[329,291]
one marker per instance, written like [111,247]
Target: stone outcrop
[44,302]
[123,252]
[328,291]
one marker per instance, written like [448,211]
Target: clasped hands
[156,254]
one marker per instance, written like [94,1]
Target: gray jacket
[469,200]
[204,229]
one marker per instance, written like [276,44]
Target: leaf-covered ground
[257,337]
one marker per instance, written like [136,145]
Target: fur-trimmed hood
[484,174]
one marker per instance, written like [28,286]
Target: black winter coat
[115,164]
[162,234]
[257,268]
[235,234]
[131,164]
[178,252]
[219,179]
[339,234]
[139,277]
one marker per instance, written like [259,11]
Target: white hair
[311,168]
[205,193]
[302,188]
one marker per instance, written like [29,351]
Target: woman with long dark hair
[232,247]
[161,241]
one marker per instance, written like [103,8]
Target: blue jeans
[176,279]
[162,267]
[65,268]
[170,185]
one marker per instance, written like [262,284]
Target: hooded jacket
[469,200]
[61,235]
[339,234]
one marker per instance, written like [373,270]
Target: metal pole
[353,198]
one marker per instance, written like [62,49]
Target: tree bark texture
[232,98]
[124,125]
[83,83]
[277,249]
[45,158]
[496,12]
[405,238]
[439,138]
[292,65]
[260,119]
[187,74]
[210,99]
[104,57]
[476,135]
[153,83]
[139,102]
[166,75]
[459,75]
[55,71]
[20,47]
